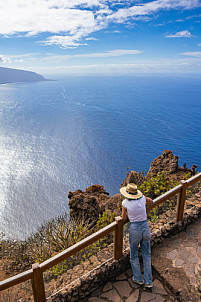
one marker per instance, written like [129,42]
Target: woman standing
[134,209]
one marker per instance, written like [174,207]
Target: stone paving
[178,262]
[176,269]
[123,289]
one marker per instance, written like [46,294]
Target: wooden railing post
[181,200]
[38,284]
[118,238]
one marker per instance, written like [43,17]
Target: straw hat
[131,191]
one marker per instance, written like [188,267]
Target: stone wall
[98,270]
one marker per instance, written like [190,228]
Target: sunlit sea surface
[59,136]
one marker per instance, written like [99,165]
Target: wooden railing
[35,274]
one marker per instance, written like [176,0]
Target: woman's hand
[124,214]
[149,201]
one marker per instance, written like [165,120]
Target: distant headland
[9,75]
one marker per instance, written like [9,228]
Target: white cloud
[155,66]
[67,23]
[49,63]
[19,61]
[180,34]
[91,39]
[193,16]
[105,54]
[151,7]
[63,41]
[180,20]
[196,54]
[4,59]
[50,59]
[111,53]
[112,31]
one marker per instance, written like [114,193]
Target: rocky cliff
[165,162]
[169,163]
[92,202]
[95,200]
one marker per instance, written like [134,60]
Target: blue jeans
[139,233]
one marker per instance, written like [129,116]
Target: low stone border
[98,270]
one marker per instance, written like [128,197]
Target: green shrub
[156,186]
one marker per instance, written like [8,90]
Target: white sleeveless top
[136,209]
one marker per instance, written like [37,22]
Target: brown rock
[133,177]
[107,287]
[179,262]
[158,288]
[169,163]
[95,200]
[88,203]
[95,299]
[121,277]
[113,204]
[129,272]
[112,295]
[158,299]
[172,255]
[123,288]
[147,296]
[96,189]
[134,297]
[193,259]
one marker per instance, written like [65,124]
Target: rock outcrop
[88,203]
[92,202]
[165,162]
[134,177]
[169,163]
[95,200]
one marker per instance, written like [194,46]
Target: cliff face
[8,75]
[92,202]
[165,162]
[169,163]
[95,200]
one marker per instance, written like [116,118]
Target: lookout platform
[176,272]
[106,276]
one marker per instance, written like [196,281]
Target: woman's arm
[149,201]
[124,214]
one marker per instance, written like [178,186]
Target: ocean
[60,136]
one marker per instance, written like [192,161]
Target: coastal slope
[8,75]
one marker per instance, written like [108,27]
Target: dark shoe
[138,282]
[148,285]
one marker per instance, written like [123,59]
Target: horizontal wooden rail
[78,247]
[36,273]
[165,197]
[12,281]
[193,179]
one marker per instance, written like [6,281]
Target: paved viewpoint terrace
[177,273]
[176,261]
[176,265]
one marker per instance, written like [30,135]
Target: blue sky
[99,36]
